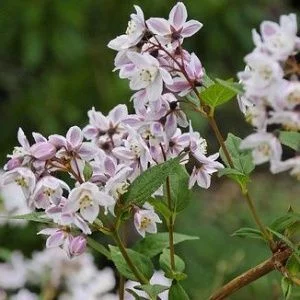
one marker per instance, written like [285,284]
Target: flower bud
[77,245]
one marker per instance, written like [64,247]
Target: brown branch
[251,275]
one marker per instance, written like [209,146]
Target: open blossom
[176,28]
[266,147]
[278,40]
[202,173]
[134,33]
[145,220]
[87,198]
[49,190]
[148,75]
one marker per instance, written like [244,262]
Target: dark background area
[54,66]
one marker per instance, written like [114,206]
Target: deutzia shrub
[139,167]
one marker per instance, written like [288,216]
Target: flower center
[21,181]
[85,201]
[265,149]
[148,75]
[131,28]
[294,97]
[122,188]
[48,192]
[136,149]
[265,72]
[145,222]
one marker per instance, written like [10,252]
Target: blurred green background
[54,66]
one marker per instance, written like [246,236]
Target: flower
[77,245]
[87,198]
[148,75]
[145,220]
[176,28]
[202,173]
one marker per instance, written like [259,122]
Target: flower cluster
[104,158]
[51,273]
[272,91]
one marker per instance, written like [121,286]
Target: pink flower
[77,245]
[176,28]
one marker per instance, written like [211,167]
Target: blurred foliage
[54,66]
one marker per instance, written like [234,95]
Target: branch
[251,275]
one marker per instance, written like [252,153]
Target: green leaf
[248,232]
[87,171]
[161,207]
[135,295]
[242,159]
[39,217]
[154,244]
[180,193]
[177,292]
[284,222]
[290,139]
[142,188]
[286,287]
[165,264]
[152,290]
[5,254]
[140,261]
[217,94]
[234,86]
[207,81]
[98,247]
[293,266]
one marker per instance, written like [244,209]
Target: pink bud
[12,164]
[43,150]
[77,245]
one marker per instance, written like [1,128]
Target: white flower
[145,220]
[148,75]
[87,198]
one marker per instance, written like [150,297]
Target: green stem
[140,277]
[122,288]
[171,226]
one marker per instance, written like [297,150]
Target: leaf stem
[122,288]
[140,277]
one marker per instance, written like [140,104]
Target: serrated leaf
[177,292]
[216,95]
[286,287]
[39,217]
[154,244]
[234,86]
[152,290]
[248,232]
[142,188]
[141,262]
[180,193]
[87,171]
[242,159]
[290,139]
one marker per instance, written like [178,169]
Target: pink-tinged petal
[74,137]
[110,166]
[178,15]
[22,139]
[154,90]
[55,240]
[156,129]
[105,200]
[123,153]
[57,140]
[81,224]
[42,150]
[77,245]
[203,179]
[48,231]
[90,132]
[170,126]
[118,113]
[119,43]
[87,151]
[127,71]
[269,28]
[158,26]
[190,28]
[167,78]
[141,60]
[90,213]
[38,137]
[12,164]
[179,85]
